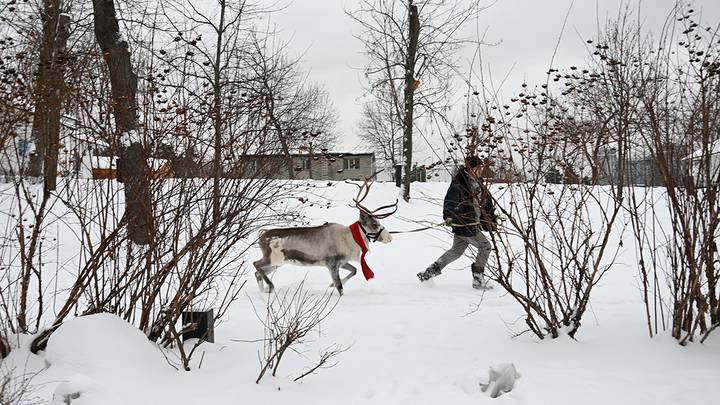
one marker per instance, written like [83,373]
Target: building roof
[102,162]
[108,162]
[87,138]
[334,154]
[714,150]
[318,154]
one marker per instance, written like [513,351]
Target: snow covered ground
[408,343]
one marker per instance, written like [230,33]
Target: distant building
[15,154]
[105,167]
[699,163]
[330,166]
[608,166]
[642,170]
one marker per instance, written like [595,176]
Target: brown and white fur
[330,245]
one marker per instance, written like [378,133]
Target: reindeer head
[369,219]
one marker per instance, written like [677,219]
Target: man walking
[469,210]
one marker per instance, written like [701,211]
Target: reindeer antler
[363,191]
[385,214]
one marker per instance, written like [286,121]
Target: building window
[23,148]
[352,163]
[306,163]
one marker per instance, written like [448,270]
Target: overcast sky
[526,32]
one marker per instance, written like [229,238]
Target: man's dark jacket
[460,204]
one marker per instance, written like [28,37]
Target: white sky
[526,32]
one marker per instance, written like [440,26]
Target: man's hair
[475,161]
[472,161]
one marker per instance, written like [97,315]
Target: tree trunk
[217,116]
[133,168]
[270,105]
[310,165]
[288,157]
[410,96]
[57,77]
[48,94]
[4,347]
[28,267]
[50,15]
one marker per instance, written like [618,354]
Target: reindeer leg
[258,274]
[267,271]
[263,268]
[335,275]
[352,269]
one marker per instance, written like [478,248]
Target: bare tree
[294,108]
[380,129]
[651,100]
[409,93]
[133,166]
[411,46]
[197,252]
[16,388]
[4,347]
[291,316]
[250,70]
[196,231]
[50,83]
[557,241]
[324,361]
[216,64]
[16,106]
[46,133]
[679,127]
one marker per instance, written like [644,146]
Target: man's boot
[430,272]
[479,281]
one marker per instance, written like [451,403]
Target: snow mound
[103,343]
[501,379]
[71,390]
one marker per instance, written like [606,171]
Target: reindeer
[330,245]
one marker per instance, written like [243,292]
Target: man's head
[477,166]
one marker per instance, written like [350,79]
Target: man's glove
[448,221]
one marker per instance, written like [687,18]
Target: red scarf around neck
[355,230]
